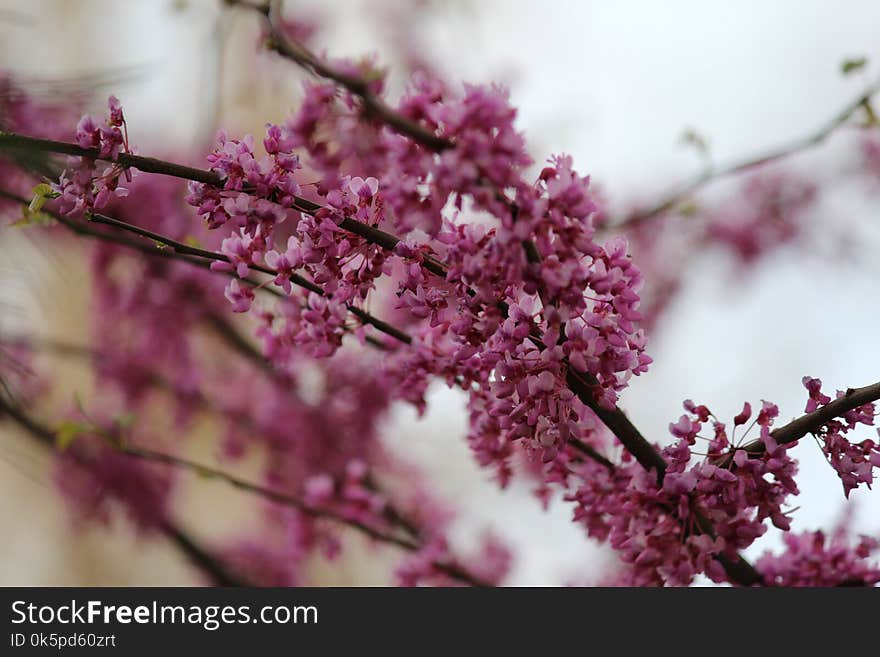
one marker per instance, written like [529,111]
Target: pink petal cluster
[258,195]
[504,290]
[853,462]
[82,189]
[95,479]
[767,214]
[506,324]
[657,527]
[812,559]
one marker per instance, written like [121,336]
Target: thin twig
[812,422]
[395,516]
[199,556]
[357,85]
[183,249]
[798,145]
[289,500]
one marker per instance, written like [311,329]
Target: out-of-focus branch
[394,516]
[190,252]
[674,198]
[355,84]
[202,558]
[199,556]
[451,569]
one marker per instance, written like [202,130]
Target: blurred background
[616,85]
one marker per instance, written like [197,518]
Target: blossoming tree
[376,246]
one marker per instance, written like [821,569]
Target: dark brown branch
[357,85]
[592,453]
[177,251]
[15,142]
[813,422]
[85,230]
[186,250]
[738,570]
[619,424]
[200,557]
[297,280]
[615,419]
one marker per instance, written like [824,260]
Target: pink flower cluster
[95,478]
[351,497]
[658,528]
[507,322]
[491,564]
[258,195]
[83,189]
[767,214]
[812,559]
[504,291]
[853,462]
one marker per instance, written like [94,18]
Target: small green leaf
[205,473]
[369,72]
[29,218]
[849,66]
[689,208]
[68,431]
[31,215]
[192,241]
[124,421]
[694,139]
[42,193]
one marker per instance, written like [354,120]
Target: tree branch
[812,422]
[11,141]
[615,419]
[356,85]
[453,570]
[204,560]
[185,250]
[47,437]
[808,141]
